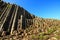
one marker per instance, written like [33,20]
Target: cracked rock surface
[16,23]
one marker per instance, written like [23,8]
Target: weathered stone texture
[13,17]
[18,24]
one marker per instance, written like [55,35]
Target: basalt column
[23,20]
[14,20]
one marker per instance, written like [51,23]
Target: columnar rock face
[10,15]
[18,24]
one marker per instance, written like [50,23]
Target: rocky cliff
[16,23]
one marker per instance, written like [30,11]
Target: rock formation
[10,16]
[16,23]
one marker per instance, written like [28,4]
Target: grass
[50,30]
[41,37]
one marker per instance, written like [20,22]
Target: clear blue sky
[40,8]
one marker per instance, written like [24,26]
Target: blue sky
[40,8]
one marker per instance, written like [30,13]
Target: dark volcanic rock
[18,24]
[10,16]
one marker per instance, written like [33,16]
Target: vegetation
[37,29]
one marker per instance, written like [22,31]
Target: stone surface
[16,23]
